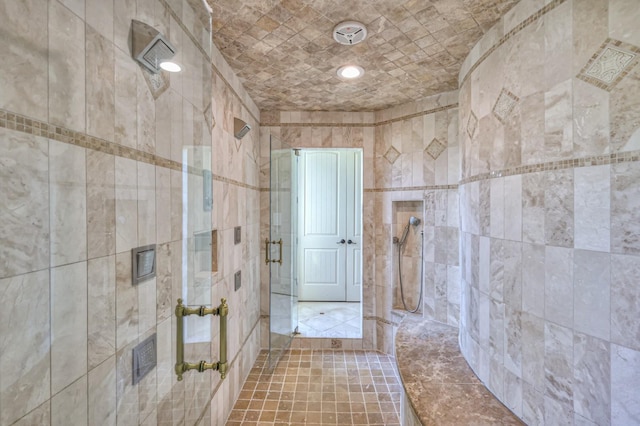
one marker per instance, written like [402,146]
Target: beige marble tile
[623,18]
[23,72]
[558,289]
[126,119]
[25,327]
[68,324]
[126,303]
[146,115]
[69,407]
[625,208]
[102,393]
[558,367]
[68,203]
[100,75]
[164,278]
[101,204]
[558,45]
[558,123]
[39,416]
[101,296]
[100,16]
[592,200]
[590,120]
[559,208]
[24,171]
[146,305]
[127,409]
[513,208]
[625,374]
[66,68]
[592,378]
[624,113]
[146,204]
[625,301]
[126,192]
[592,293]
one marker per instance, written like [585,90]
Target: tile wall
[550,126]
[398,164]
[92,155]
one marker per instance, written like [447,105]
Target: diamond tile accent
[392,155]
[435,148]
[610,64]
[472,124]
[209,118]
[158,83]
[504,105]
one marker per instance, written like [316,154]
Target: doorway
[330,242]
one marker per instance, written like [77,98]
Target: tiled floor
[330,319]
[321,387]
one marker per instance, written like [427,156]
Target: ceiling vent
[349,33]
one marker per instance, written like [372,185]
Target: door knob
[351,242]
[341,241]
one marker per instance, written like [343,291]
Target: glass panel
[283,308]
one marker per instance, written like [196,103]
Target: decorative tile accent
[435,148]
[209,118]
[504,105]
[610,64]
[336,344]
[472,124]
[392,155]
[411,188]
[157,83]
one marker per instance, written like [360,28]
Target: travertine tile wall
[396,167]
[91,167]
[549,125]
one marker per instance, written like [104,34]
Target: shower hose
[421,274]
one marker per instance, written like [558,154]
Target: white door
[330,219]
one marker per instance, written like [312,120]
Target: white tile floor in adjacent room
[330,319]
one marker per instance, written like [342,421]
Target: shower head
[149,46]
[413,221]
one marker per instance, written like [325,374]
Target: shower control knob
[342,241]
[351,242]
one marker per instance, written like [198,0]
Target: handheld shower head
[413,221]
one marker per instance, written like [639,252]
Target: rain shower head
[240,128]
[149,46]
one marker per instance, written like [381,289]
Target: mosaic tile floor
[321,387]
[330,319]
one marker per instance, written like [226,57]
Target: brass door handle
[266,250]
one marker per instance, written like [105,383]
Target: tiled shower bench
[440,387]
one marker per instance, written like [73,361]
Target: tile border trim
[32,126]
[412,188]
[521,26]
[594,160]
[374,124]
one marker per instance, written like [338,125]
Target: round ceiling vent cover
[349,33]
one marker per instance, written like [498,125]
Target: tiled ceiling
[284,53]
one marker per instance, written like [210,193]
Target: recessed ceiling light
[170,66]
[350,71]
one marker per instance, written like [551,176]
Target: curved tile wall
[549,200]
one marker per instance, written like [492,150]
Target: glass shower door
[281,249]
